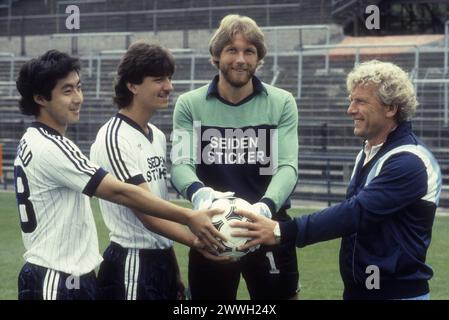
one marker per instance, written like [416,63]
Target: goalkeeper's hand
[203,197]
[262,209]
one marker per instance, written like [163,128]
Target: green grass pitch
[318,264]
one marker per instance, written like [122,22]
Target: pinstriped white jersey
[53,180]
[123,149]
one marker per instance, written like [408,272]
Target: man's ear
[392,110]
[215,60]
[40,100]
[131,87]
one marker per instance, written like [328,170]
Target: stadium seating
[327,144]
[32,17]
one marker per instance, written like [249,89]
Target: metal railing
[8,7]
[8,56]
[177,52]
[278,29]
[211,11]
[324,50]
[340,5]
[357,48]
[90,36]
[308,50]
[445,83]
[325,181]
[446,71]
[446,47]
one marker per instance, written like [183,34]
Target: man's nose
[240,57]
[351,108]
[78,96]
[168,85]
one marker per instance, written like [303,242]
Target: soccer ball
[221,222]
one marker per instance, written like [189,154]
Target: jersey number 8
[24,205]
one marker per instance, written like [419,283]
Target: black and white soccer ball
[221,222]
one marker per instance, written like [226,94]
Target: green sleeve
[183,154]
[284,180]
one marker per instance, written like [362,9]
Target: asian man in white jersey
[54,181]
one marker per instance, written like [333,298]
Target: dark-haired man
[52,179]
[139,264]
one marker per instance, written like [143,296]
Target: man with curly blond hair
[386,220]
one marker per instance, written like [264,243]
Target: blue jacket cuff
[289,232]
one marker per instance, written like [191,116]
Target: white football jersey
[53,180]
[123,149]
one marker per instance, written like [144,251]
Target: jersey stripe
[55,285]
[132,273]
[82,157]
[117,151]
[127,274]
[50,288]
[45,286]
[70,154]
[113,151]
[108,142]
[432,169]
[357,160]
[136,273]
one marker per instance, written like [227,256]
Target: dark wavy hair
[141,60]
[39,77]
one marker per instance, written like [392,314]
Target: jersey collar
[40,125]
[213,91]
[134,124]
[402,129]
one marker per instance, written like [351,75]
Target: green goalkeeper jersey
[250,148]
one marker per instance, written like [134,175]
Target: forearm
[182,176]
[149,204]
[402,181]
[285,176]
[184,148]
[141,200]
[338,221]
[281,186]
[168,229]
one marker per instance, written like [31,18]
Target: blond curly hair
[394,87]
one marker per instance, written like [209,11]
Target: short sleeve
[65,165]
[115,153]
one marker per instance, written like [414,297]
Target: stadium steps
[305,12]
[323,101]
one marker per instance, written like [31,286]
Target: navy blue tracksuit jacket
[386,220]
